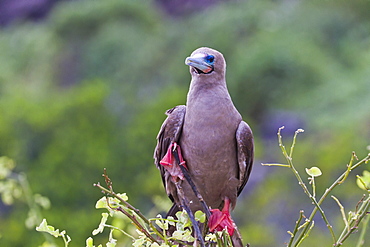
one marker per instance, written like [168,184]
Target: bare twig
[341,208]
[361,239]
[292,234]
[304,187]
[354,221]
[349,167]
[307,226]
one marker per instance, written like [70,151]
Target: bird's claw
[220,220]
[172,163]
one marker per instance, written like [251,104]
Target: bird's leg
[220,220]
[172,164]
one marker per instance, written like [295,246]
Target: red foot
[169,161]
[220,220]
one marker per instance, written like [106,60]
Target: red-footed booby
[216,144]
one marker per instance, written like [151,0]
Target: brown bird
[216,145]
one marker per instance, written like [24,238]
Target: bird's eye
[210,58]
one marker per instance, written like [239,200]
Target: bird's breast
[208,144]
[208,137]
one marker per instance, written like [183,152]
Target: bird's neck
[208,96]
[200,87]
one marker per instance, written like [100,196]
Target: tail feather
[173,210]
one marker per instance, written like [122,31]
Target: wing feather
[170,132]
[245,149]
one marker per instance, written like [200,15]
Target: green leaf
[139,242]
[183,220]
[363,182]
[44,227]
[171,221]
[112,243]
[162,223]
[183,235]
[100,229]
[314,171]
[200,216]
[211,237]
[123,196]
[101,203]
[89,242]
[113,202]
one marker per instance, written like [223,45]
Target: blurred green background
[86,86]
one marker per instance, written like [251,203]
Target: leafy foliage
[44,227]
[302,231]
[149,232]
[159,234]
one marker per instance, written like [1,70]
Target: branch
[306,227]
[355,221]
[296,228]
[139,226]
[304,187]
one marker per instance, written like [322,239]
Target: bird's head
[206,61]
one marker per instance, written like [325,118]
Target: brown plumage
[216,144]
